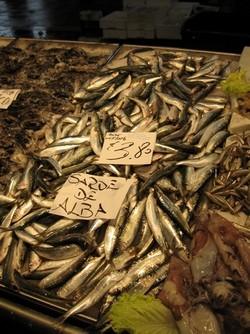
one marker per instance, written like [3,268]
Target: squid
[210,293]
[177,294]
[233,248]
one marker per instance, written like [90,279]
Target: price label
[7,96]
[126,148]
[85,196]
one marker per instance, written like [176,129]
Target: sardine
[211,129]
[153,220]
[139,269]
[208,159]
[132,225]
[60,275]
[94,295]
[58,252]
[172,210]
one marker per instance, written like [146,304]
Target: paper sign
[128,148]
[85,196]
[7,96]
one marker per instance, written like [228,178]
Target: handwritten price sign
[7,96]
[128,148]
[85,196]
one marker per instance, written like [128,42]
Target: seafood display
[47,77]
[243,105]
[215,281]
[167,240]
[230,189]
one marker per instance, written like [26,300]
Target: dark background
[226,30]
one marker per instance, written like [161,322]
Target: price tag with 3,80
[127,148]
[7,96]
[85,196]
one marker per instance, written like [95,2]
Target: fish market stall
[122,173]
[45,76]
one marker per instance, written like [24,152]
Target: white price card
[128,148]
[7,96]
[86,196]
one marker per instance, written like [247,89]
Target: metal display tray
[38,306]
[115,55]
[119,58]
[32,313]
[95,49]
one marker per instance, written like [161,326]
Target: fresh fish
[113,231]
[7,220]
[27,287]
[172,236]
[5,244]
[172,210]
[33,262]
[9,261]
[153,220]
[208,117]
[124,259]
[211,129]
[23,208]
[63,273]
[72,140]
[98,82]
[58,149]
[58,252]
[79,155]
[123,86]
[139,269]
[25,183]
[27,237]
[95,141]
[88,264]
[143,106]
[210,158]
[155,177]
[171,100]
[11,187]
[60,226]
[94,295]
[27,219]
[132,225]
[216,140]
[79,277]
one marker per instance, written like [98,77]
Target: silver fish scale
[133,97]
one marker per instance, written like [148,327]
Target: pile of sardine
[230,190]
[87,264]
[47,78]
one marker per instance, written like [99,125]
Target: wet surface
[51,19]
[60,20]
